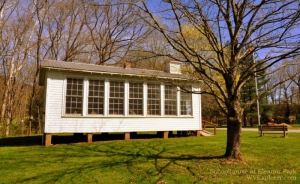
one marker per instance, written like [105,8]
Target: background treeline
[101,32]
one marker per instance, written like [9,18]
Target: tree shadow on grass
[144,162]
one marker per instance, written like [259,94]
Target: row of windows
[74,98]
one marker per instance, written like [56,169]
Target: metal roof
[83,67]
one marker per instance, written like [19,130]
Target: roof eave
[110,73]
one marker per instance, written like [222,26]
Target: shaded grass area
[174,160]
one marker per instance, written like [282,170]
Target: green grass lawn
[271,159]
[295,126]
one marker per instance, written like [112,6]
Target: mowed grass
[270,159]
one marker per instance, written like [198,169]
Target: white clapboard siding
[57,122]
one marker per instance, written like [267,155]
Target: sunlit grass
[174,160]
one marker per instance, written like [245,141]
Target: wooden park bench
[272,130]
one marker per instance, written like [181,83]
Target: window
[96,97]
[116,98]
[135,99]
[153,100]
[170,100]
[74,96]
[185,103]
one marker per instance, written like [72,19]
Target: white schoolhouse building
[88,98]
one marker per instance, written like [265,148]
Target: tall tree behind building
[256,84]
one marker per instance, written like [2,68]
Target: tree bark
[7,90]
[29,127]
[3,107]
[234,129]
[245,119]
[8,118]
[233,148]
[39,119]
[7,126]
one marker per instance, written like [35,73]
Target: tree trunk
[233,148]
[245,119]
[5,99]
[287,113]
[7,127]
[234,129]
[8,122]
[22,126]
[39,119]
[29,127]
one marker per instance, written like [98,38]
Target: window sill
[122,116]
[73,115]
[94,115]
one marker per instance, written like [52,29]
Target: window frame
[167,100]
[191,102]
[109,98]
[159,99]
[66,96]
[140,93]
[99,97]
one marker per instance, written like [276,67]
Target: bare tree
[64,28]
[273,92]
[268,28]
[40,10]
[17,32]
[113,30]
[146,55]
[296,83]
